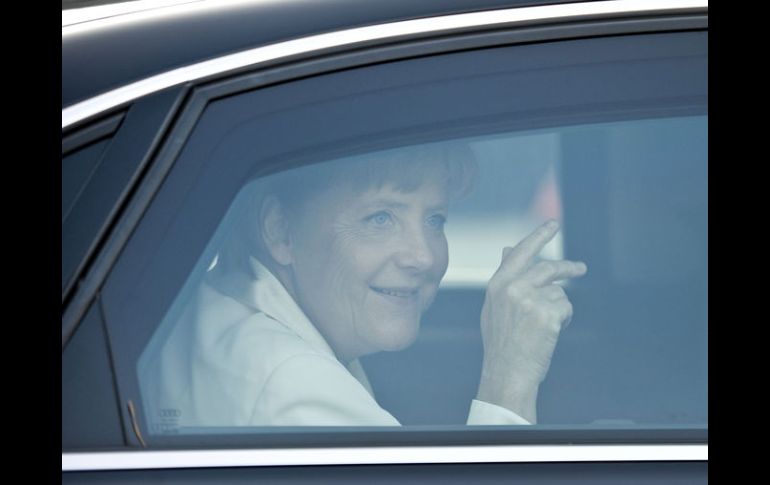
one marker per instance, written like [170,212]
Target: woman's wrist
[512,392]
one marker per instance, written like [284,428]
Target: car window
[369,247]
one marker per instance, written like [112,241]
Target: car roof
[115,47]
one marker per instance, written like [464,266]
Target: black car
[591,113]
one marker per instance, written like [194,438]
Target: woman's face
[365,265]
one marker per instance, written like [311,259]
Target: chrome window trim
[129,460]
[356,37]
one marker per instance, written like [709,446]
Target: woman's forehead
[429,193]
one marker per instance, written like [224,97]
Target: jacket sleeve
[484,413]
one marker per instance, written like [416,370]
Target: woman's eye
[380,219]
[437,221]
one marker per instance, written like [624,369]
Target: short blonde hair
[406,168]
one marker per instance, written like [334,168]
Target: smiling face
[366,264]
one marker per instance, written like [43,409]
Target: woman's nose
[416,252]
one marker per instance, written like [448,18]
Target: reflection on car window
[491,267]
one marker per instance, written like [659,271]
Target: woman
[335,261]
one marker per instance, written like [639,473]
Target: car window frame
[92,229]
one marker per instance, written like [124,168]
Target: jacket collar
[257,288]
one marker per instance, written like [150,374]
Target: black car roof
[95,61]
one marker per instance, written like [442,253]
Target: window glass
[373,248]
[379,234]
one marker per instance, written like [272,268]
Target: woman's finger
[565,307]
[516,259]
[553,292]
[547,272]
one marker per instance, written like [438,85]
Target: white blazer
[244,354]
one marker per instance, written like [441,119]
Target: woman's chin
[401,339]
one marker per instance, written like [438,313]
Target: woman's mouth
[396,292]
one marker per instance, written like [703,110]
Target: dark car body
[134,88]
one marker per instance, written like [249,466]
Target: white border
[350,37]
[381,455]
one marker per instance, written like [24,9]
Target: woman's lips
[404,293]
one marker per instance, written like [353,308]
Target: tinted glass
[331,251]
